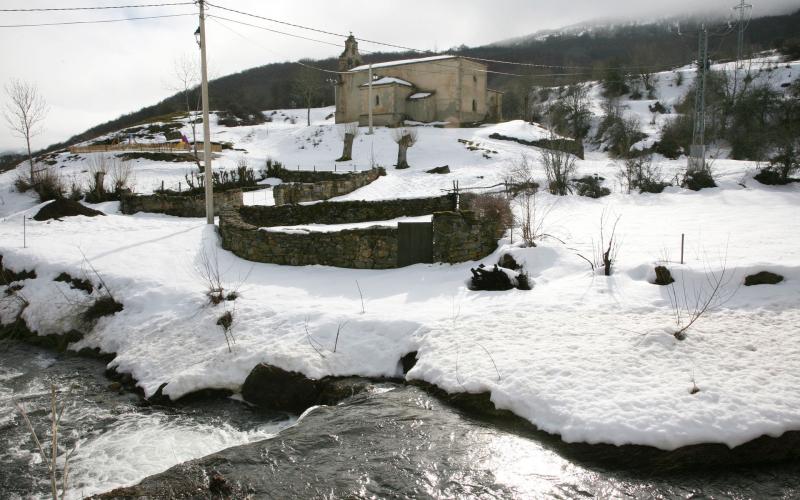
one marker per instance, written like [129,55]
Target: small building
[442,88]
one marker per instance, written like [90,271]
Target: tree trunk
[30,159]
[100,189]
[401,156]
[347,153]
[308,115]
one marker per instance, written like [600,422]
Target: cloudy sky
[90,73]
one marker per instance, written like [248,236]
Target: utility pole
[209,177]
[697,151]
[369,98]
[742,7]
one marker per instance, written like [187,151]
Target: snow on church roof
[388,80]
[400,62]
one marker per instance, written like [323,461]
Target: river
[392,441]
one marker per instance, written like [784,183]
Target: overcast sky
[95,72]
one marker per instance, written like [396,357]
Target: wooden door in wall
[414,243]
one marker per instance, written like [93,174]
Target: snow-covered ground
[589,357]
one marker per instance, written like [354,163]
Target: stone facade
[461,236]
[180,206]
[439,88]
[344,212]
[341,184]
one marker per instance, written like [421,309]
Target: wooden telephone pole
[207,172]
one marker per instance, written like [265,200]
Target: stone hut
[442,88]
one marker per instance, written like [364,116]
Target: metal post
[697,151]
[683,238]
[740,42]
[369,98]
[209,178]
[24,232]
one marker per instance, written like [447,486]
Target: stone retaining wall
[462,236]
[344,212]
[369,248]
[181,206]
[340,184]
[457,237]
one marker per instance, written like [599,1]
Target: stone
[663,276]
[763,278]
[64,208]
[439,170]
[507,260]
[271,387]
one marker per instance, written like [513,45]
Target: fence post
[682,240]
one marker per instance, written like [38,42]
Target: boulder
[763,278]
[439,170]
[663,276]
[64,208]
[272,387]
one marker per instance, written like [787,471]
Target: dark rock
[64,208]
[663,276]
[115,387]
[334,390]
[272,387]
[408,361]
[484,278]
[507,260]
[439,170]
[763,278]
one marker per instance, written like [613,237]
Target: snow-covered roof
[401,62]
[388,80]
[420,95]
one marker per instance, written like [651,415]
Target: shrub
[591,186]
[49,185]
[781,167]
[698,179]
[676,135]
[640,174]
[491,206]
[559,167]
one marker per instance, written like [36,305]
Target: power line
[317,30]
[274,31]
[100,21]
[99,8]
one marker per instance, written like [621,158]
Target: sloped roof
[388,80]
[401,62]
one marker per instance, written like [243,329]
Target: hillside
[657,45]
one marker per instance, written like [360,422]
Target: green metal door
[414,243]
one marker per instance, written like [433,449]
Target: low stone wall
[344,212]
[181,206]
[369,248]
[340,184]
[287,175]
[462,236]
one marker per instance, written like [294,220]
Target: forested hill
[658,44]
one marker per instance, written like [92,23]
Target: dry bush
[559,168]
[490,206]
[122,176]
[48,184]
[606,250]
[692,302]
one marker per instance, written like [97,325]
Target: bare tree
[405,138]
[25,112]
[307,86]
[186,82]
[559,167]
[348,132]
[530,214]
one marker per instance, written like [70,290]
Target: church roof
[401,62]
[388,80]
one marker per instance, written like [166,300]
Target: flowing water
[394,441]
[119,439]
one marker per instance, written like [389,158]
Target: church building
[440,88]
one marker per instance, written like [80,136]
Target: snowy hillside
[586,356]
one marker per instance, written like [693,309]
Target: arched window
[377,100]
[474,105]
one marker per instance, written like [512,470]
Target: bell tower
[350,58]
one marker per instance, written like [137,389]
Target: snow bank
[586,356]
